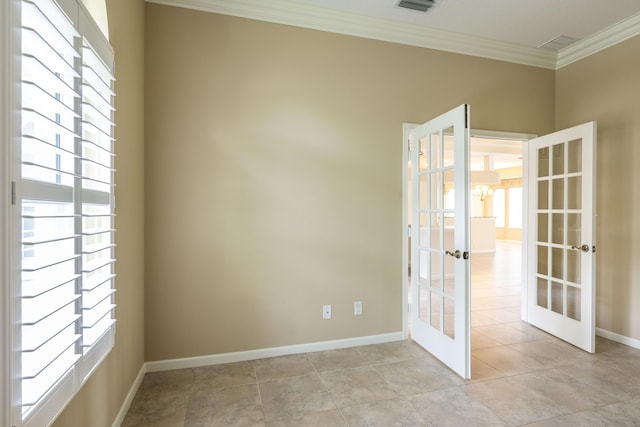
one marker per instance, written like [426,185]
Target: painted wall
[99,401]
[273,174]
[606,87]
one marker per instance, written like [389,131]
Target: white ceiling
[528,23]
[507,30]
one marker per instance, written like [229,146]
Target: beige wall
[273,174]
[99,401]
[606,87]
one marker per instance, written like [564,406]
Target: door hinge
[13,193]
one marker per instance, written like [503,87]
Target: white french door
[561,285]
[440,277]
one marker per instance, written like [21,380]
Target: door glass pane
[543,162]
[556,297]
[557,228]
[437,201]
[435,310]
[558,159]
[434,151]
[573,303]
[574,192]
[423,188]
[543,195]
[448,147]
[423,154]
[575,156]
[557,263]
[423,234]
[558,193]
[543,260]
[436,268]
[423,268]
[543,227]
[542,293]
[449,317]
[573,266]
[574,230]
[423,305]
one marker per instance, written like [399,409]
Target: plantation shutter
[66,315]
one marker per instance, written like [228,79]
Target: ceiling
[527,23]
[509,30]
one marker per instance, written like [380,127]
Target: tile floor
[520,376]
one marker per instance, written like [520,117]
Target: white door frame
[512,136]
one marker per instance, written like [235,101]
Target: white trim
[601,40]
[241,356]
[307,16]
[406,128]
[5,320]
[631,342]
[128,400]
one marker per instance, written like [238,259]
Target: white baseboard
[129,399]
[631,342]
[241,356]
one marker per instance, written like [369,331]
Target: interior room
[258,178]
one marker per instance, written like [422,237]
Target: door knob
[583,248]
[456,254]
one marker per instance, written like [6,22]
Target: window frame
[53,403]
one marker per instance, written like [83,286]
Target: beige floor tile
[453,407]
[602,376]
[227,375]
[331,418]
[505,334]
[159,405]
[479,340]
[512,402]
[564,390]
[480,371]
[506,360]
[294,397]
[394,412]
[337,359]
[391,352]
[417,376]
[623,414]
[233,406]
[282,367]
[552,352]
[358,385]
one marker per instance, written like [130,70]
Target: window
[64,182]
[498,207]
[515,207]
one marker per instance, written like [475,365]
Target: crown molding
[307,16]
[623,30]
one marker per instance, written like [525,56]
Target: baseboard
[631,342]
[129,399]
[241,356]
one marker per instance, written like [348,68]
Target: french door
[440,276]
[561,285]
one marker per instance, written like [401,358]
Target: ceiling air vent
[558,43]
[420,5]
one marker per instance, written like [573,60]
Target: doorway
[498,167]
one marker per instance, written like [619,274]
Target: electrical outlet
[326,312]
[357,308]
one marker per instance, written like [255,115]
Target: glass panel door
[440,241]
[562,281]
